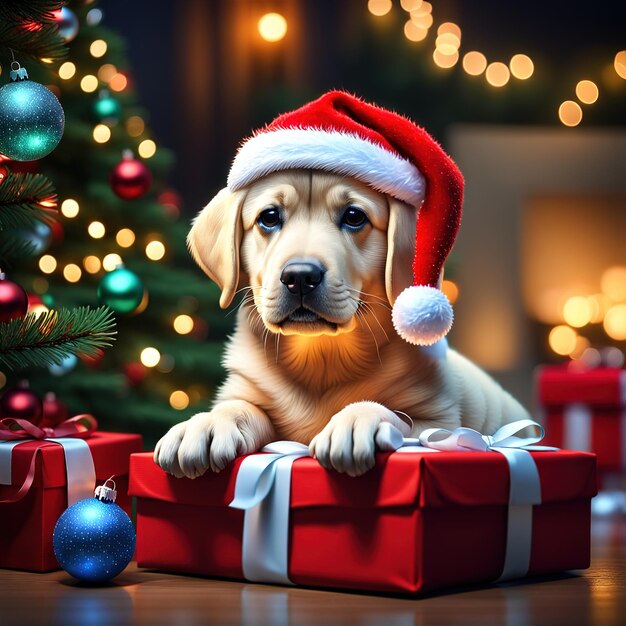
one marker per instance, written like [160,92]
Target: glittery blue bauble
[67,365]
[94,540]
[31,121]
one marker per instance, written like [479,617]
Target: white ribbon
[263,490]
[81,473]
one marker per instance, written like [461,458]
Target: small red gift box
[585,410]
[414,523]
[26,526]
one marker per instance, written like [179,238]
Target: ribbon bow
[81,475]
[263,488]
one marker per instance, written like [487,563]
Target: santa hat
[342,134]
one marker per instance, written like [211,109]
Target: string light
[577,311]
[125,238]
[101,133]
[445,61]
[98,48]
[522,66]
[47,264]
[474,63]
[410,5]
[146,149]
[613,283]
[179,400]
[70,207]
[379,7]
[497,74]
[619,64]
[72,273]
[447,43]
[150,357]
[424,8]
[96,230]
[155,250]
[413,32]
[183,324]
[450,27]
[570,113]
[423,20]
[106,72]
[587,91]
[615,322]
[135,126]
[562,340]
[89,83]
[273,26]
[118,82]
[111,261]
[92,264]
[67,70]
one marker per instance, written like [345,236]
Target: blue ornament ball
[94,540]
[67,365]
[39,236]
[67,22]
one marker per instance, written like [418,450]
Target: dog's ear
[214,241]
[400,248]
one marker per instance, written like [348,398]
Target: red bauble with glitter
[130,178]
[54,411]
[13,300]
[22,403]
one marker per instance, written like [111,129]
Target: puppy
[314,357]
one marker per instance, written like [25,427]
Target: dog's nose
[302,277]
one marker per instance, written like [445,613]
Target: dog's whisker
[371,312]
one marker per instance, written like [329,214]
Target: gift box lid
[110,452]
[600,387]
[432,479]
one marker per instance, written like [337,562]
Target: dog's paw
[207,440]
[347,443]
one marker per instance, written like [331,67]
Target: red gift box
[585,410]
[26,526]
[414,523]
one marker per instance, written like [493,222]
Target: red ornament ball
[130,178]
[22,403]
[13,300]
[135,373]
[54,410]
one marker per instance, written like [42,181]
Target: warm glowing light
[72,273]
[125,238]
[450,290]
[450,27]
[101,133]
[179,400]
[375,7]
[474,63]
[40,285]
[183,324]
[146,149]
[447,43]
[599,305]
[46,60]
[98,48]
[92,264]
[47,264]
[582,344]
[150,357]
[562,340]
[410,5]
[70,208]
[570,113]
[577,311]
[118,82]
[613,283]
[273,26]
[521,66]
[413,32]
[89,83]
[423,9]
[106,72]
[620,64]
[587,91]
[135,126]
[155,250]
[423,20]
[67,70]
[96,230]
[445,61]
[111,261]
[497,74]
[615,322]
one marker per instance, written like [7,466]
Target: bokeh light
[497,74]
[577,311]
[375,7]
[70,208]
[562,340]
[613,283]
[183,324]
[72,273]
[179,400]
[98,48]
[92,264]
[474,63]
[615,322]
[125,238]
[47,264]
[570,113]
[96,230]
[147,149]
[67,70]
[587,91]
[521,66]
[111,261]
[89,83]
[101,133]
[155,250]
[273,26]
[150,357]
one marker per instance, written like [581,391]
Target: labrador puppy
[314,357]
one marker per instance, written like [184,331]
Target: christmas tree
[120,242]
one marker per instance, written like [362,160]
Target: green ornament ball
[121,290]
[31,121]
[107,109]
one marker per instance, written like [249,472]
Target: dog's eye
[354,218]
[269,219]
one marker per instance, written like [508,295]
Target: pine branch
[48,338]
[31,11]
[26,199]
[13,250]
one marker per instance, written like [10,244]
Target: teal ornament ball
[31,121]
[121,290]
[107,109]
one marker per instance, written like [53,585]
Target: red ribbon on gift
[15,429]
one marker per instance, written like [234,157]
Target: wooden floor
[596,597]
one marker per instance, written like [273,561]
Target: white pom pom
[422,315]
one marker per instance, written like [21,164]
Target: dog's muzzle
[302,276]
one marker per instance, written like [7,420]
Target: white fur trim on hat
[343,153]
[422,315]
